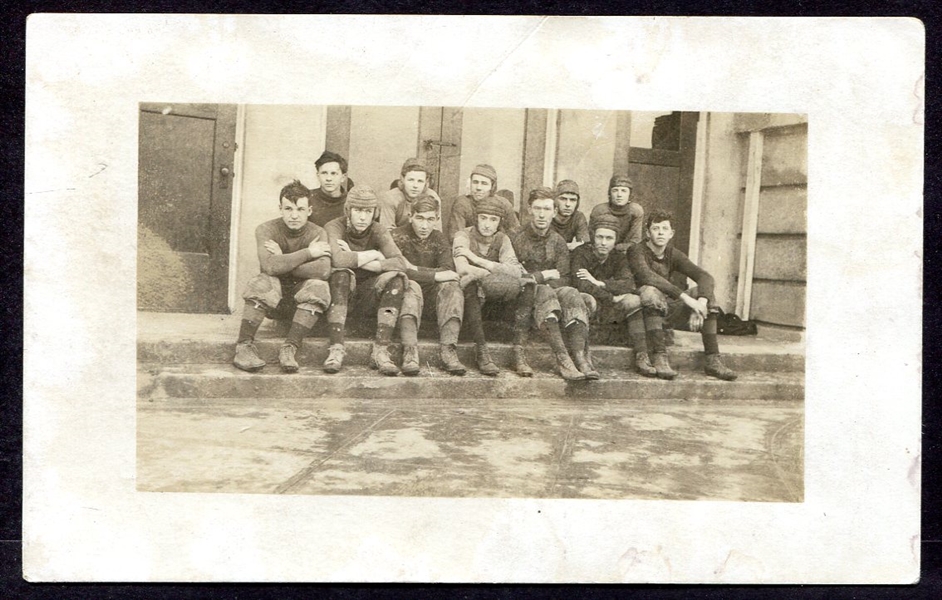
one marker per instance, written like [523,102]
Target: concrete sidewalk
[204,426]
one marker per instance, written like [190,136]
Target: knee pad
[263,289]
[314,293]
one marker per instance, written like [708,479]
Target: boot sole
[289,368]
[666,377]
[249,369]
[332,370]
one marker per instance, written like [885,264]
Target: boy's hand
[318,249]
[273,247]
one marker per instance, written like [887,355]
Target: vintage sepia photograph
[432,301]
[391,298]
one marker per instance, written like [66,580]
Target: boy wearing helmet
[630,215]
[367,277]
[569,222]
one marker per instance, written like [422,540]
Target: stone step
[686,354]
[160,381]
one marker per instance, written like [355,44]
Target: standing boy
[545,257]
[653,263]
[630,215]
[483,185]
[569,222]
[294,257]
[433,286]
[328,199]
[367,276]
[397,203]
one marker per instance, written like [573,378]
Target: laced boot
[247,358]
[410,360]
[716,368]
[521,366]
[485,364]
[662,367]
[287,360]
[643,365]
[450,362]
[578,343]
[335,355]
[380,359]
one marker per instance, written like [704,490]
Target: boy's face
[660,233]
[360,218]
[620,195]
[423,223]
[295,214]
[604,241]
[566,204]
[331,178]
[480,187]
[413,184]
[542,210]
[488,224]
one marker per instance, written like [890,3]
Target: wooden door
[184,204]
[440,146]
[663,174]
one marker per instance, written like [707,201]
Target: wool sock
[472,313]
[708,335]
[301,325]
[449,332]
[654,324]
[408,331]
[637,336]
[252,316]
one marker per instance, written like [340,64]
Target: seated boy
[294,257]
[604,274]
[367,277]
[652,263]
[488,270]
[545,257]
[433,286]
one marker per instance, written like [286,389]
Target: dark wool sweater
[650,270]
[575,228]
[538,252]
[295,261]
[431,255]
[613,272]
[325,208]
[375,237]
[630,222]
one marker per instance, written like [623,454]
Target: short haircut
[293,192]
[659,216]
[329,157]
[540,193]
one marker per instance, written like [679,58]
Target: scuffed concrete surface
[474,448]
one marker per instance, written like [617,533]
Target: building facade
[736,184]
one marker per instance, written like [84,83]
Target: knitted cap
[485,170]
[567,186]
[362,196]
[540,193]
[424,203]
[620,181]
[413,164]
[328,157]
[489,206]
[604,221]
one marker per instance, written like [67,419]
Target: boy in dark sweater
[569,222]
[630,215]
[294,257]
[604,274]
[433,285]
[652,264]
[368,276]
[327,200]
[545,257]
[397,203]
